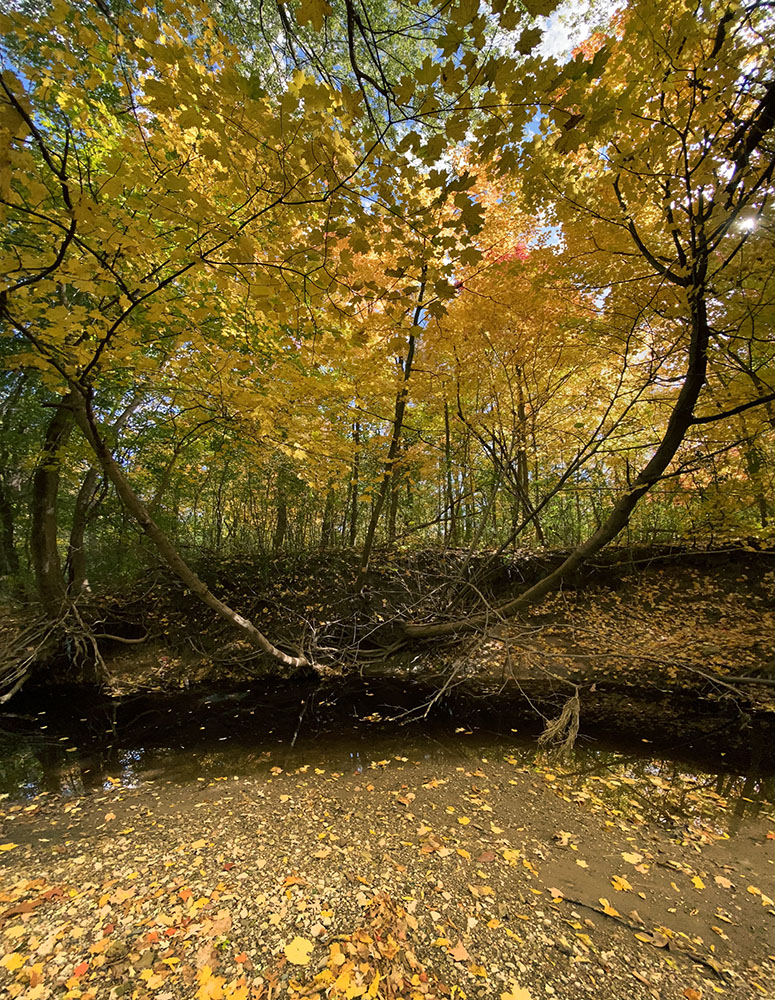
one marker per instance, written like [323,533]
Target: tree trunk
[327,527]
[451,532]
[395,441]
[85,504]
[680,420]
[76,555]
[9,559]
[355,483]
[44,553]
[88,426]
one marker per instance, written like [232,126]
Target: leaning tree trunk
[86,503]
[80,407]
[44,553]
[680,420]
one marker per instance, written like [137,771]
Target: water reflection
[636,786]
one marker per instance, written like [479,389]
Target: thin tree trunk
[327,527]
[76,555]
[88,426]
[9,559]
[395,440]
[452,530]
[281,525]
[395,488]
[680,420]
[355,482]
[44,552]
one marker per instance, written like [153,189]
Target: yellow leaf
[314,12]
[298,951]
[697,882]
[632,859]
[13,961]
[607,908]
[7,847]
[621,884]
[463,820]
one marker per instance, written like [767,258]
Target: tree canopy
[283,275]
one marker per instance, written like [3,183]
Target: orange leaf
[459,952]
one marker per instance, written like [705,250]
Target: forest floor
[417,876]
[407,879]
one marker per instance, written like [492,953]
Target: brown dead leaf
[459,952]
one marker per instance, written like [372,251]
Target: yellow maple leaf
[210,986]
[298,951]
[620,883]
[13,961]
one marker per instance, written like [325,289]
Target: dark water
[71,746]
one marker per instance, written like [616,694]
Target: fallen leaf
[633,858]
[13,961]
[655,938]
[459,952]
[7,847]
[697,882]
[621,884]
[723,882]
[298,951]
[691,994]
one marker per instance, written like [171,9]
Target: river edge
[433,868]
